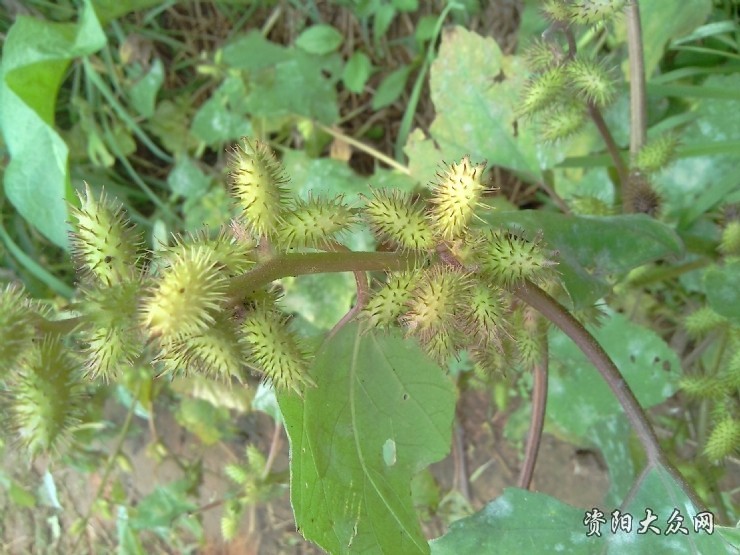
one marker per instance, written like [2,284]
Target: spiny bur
[396,218]
[187,296]
[274,350]
[455,196]
[16,325]
[258,185]
[44,397]
[105,246]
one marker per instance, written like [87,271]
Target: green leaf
[252,52]
[383,17]
[319,39]
[592,248]
[694,185]
[143,94]
[163,509]
[476,90]
[371,388]
[660,492]
[578,397]
[522,521]
[722,284]
[295,87]
[36,54]
[186,179]
[357,71]
[662,22]
[222,117]
[391,87]
[128,542]
[323,177]
[617,454]
[517,522]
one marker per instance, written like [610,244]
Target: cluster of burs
[177,307]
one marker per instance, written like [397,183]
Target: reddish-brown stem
[363,294]
[558,315]
[537,420]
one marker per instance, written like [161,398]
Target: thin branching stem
[611,144]
[363,293]
[558,315]
[595,114]
[537,420]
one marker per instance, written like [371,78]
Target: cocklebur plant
[207,303]
[568,88]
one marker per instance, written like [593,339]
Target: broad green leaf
[722,284]
[592,248]
[659,492]
[36,54]
[186,179]
[252,52]
[526,522]
[357,71]
[296,86]
[319,39]
[222,117]
[143,93]
[390,179]
[476,90]
[695,185]
[608,435]
[578,397]
[391,87]
[370,388]
[322,177]
[519,521]
[662,22]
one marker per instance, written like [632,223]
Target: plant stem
[638,97]
[558,315]
[359,145]
[363,294]
[537,420]
[297,264]
[611,145]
